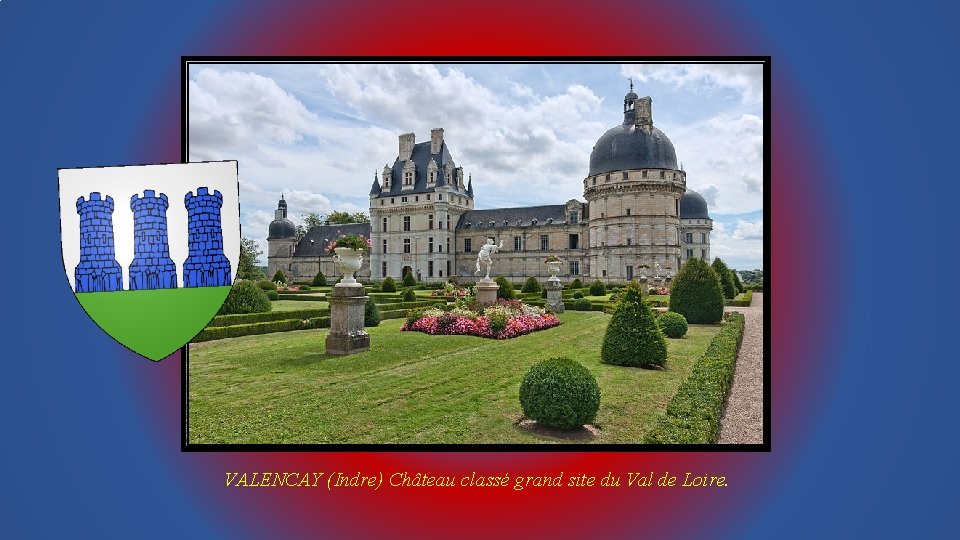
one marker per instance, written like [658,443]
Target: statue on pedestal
[483,256]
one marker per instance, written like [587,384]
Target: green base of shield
[156,322]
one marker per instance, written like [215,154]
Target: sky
[318,133]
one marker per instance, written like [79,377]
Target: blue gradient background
[864,424]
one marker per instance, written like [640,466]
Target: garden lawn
[297,305]
[414,388]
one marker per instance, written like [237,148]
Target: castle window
[689,238]
[628,211]
[406,223]
[663,174]
[430,221]
[448,222]
[440,248]
[430,245]
[605,272]
[407,178]
[625,175]
[429,268]
[574,217]
[392,201]
[505,223]
[629,241]
[607,178]
[467,225]
[383,269]
[381,202]
[518,243]
[533,221]
[406,245]
[689,253]
[493,223]
[574,268]
[602,215]
[384,246]
[594,180]
[574,241]
[703,238]
[439,196]
[703,254]
[448,267]
[428,196]
[384,225]
[403,199]
[448,244]
[416,198]
[643,174]
[467,245]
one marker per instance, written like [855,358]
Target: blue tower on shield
[152,267]
[98,270]
[206,266]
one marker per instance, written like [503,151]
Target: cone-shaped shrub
[576,284]
[505,291]
[597,288]
[633,336]
[388,285]
[371,313]
[726,280]
[560,393]
[531,285]
[674,325]
[696,293]
[409,280]
[408,295]
[319,280]
[279,277]
[736,281]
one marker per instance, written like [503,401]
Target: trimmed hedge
[560,393]
[302,297]
[674,325]
[221,332]
[696,293]
[249,318]
[693,415]
[633,337]
[742,300]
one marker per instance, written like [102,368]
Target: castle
[639,220]
[152,267]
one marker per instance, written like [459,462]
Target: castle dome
[693,206]
[635,144]
[281,227]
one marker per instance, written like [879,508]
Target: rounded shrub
[273,295]
[245,297]
[505,291]
[560,393]
[576,284]
[674,325]
[696,293]
[319,280]
[371,313]
[409,280]
[267,285]
[304,287]
[726,279]
[633,337]
[388,285]
[582,304]
[597,288]
[578,294]
[531,285]
[279,277]
[408,295]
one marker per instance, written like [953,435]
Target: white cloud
[745,79]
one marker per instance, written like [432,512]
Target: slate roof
[693,206]
[315,243]
[526,215]
[421,157]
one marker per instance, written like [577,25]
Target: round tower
[695,227]
[98,270]
[152,267]
[281,241]
[633,191]
[206,265]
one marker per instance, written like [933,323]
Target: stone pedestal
[555,295]
[486,292]
[347,335]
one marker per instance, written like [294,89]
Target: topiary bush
[267,285]
[697,294]
[633,337]
[408,295]
[737,284]
[388,285]
[576,284]
[726,279]
[319,280]
[245,297]
[531,285]
[674,325]
[560,393]
[582,304]
[597,288]
[409,280]
[279,277]
[578,295]
[371,313]
[273,295]
[505,291]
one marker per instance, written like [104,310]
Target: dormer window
[549,221]
[493,223]
[506,223]
[533,221]
[408,178]
[519,222]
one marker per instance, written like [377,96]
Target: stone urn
[350,260]
[554,268]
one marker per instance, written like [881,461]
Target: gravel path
[742,420]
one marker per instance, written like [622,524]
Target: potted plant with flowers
[348,252]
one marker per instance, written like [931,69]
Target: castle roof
[693,206]
[421,157]
[553,214]
[634,144]
[315,242]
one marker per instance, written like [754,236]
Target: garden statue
[484,256]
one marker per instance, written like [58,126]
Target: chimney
[644,112]
[436,140]
[407,140]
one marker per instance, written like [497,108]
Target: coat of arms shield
[151,251]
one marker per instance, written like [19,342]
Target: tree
[279,277]
[696,293]
[736,281]
[726,280]
[633,337]
[247,266]
[309,221]
[342,218]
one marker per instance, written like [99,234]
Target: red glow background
[799,216]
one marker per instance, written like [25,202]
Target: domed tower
[633,190]
[695,227]
[281,240]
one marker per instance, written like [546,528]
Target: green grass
[414,388]
[135,318]
[297,305]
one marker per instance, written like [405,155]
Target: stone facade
[424,220]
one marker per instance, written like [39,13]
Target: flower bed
[504,320]
[451,290]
